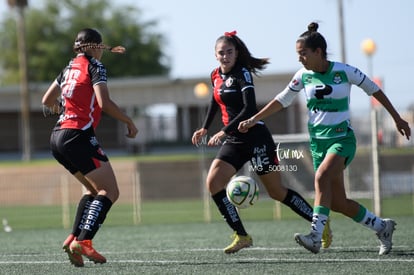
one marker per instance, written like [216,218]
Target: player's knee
[322,179]
[114,195]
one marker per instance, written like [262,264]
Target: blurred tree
[51,30]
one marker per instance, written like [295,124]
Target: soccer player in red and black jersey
[234,95]
[80,94]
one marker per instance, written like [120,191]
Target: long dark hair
[87,38]
[312,39]
[91,39]
[244,58]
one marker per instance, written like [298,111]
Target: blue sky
[270,28]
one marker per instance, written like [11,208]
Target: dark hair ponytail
[313,27]
[313,39]
[87,38]
[244,59]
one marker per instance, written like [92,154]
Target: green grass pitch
[173,239]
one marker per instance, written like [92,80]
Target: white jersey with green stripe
[327,97]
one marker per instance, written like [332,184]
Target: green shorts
[343,146]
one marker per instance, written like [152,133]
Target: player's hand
[216,140]
[403,128]
[55,109]
[132,130]
[245,125]
[197,136]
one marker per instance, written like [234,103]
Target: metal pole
[347,180]
[374,151]
[201,91]
[375,162]
[204,172]
[24,86]
[341,30]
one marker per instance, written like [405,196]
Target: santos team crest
[337,78]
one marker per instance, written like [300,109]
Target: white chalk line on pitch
[258,248]
[237,258]
[227,261]
[297,247]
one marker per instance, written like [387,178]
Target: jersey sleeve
[249,107]
[246,86]
[59,79]
[211,112]
[356,77]
[287,96]
[97,72]
[212,107]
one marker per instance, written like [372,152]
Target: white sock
[318,224]
[373,222]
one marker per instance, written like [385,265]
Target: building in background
[166,111]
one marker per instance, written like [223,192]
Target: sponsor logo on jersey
[93,141]
[247,76]
[295,82]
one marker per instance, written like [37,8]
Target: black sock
[229,212]
[298,204]
[81,214]
[96,216]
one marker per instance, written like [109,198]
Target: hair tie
[117,49]
[230,34]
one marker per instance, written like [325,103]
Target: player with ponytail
[234,95]
[327,88]
[79,95]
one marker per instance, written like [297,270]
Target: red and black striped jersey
[81,109]
[234,94]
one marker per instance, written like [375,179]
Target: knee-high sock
[298,204]
[81,214]
[96,216]
[229,212]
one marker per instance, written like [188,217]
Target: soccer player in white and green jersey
[327,87]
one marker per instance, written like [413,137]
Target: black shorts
[77,150]
[256,146]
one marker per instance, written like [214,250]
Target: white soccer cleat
[309,242]
[385,236]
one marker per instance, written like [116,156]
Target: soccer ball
[242,191]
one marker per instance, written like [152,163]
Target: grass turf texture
[173,239]
[177,211]
[196,248]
